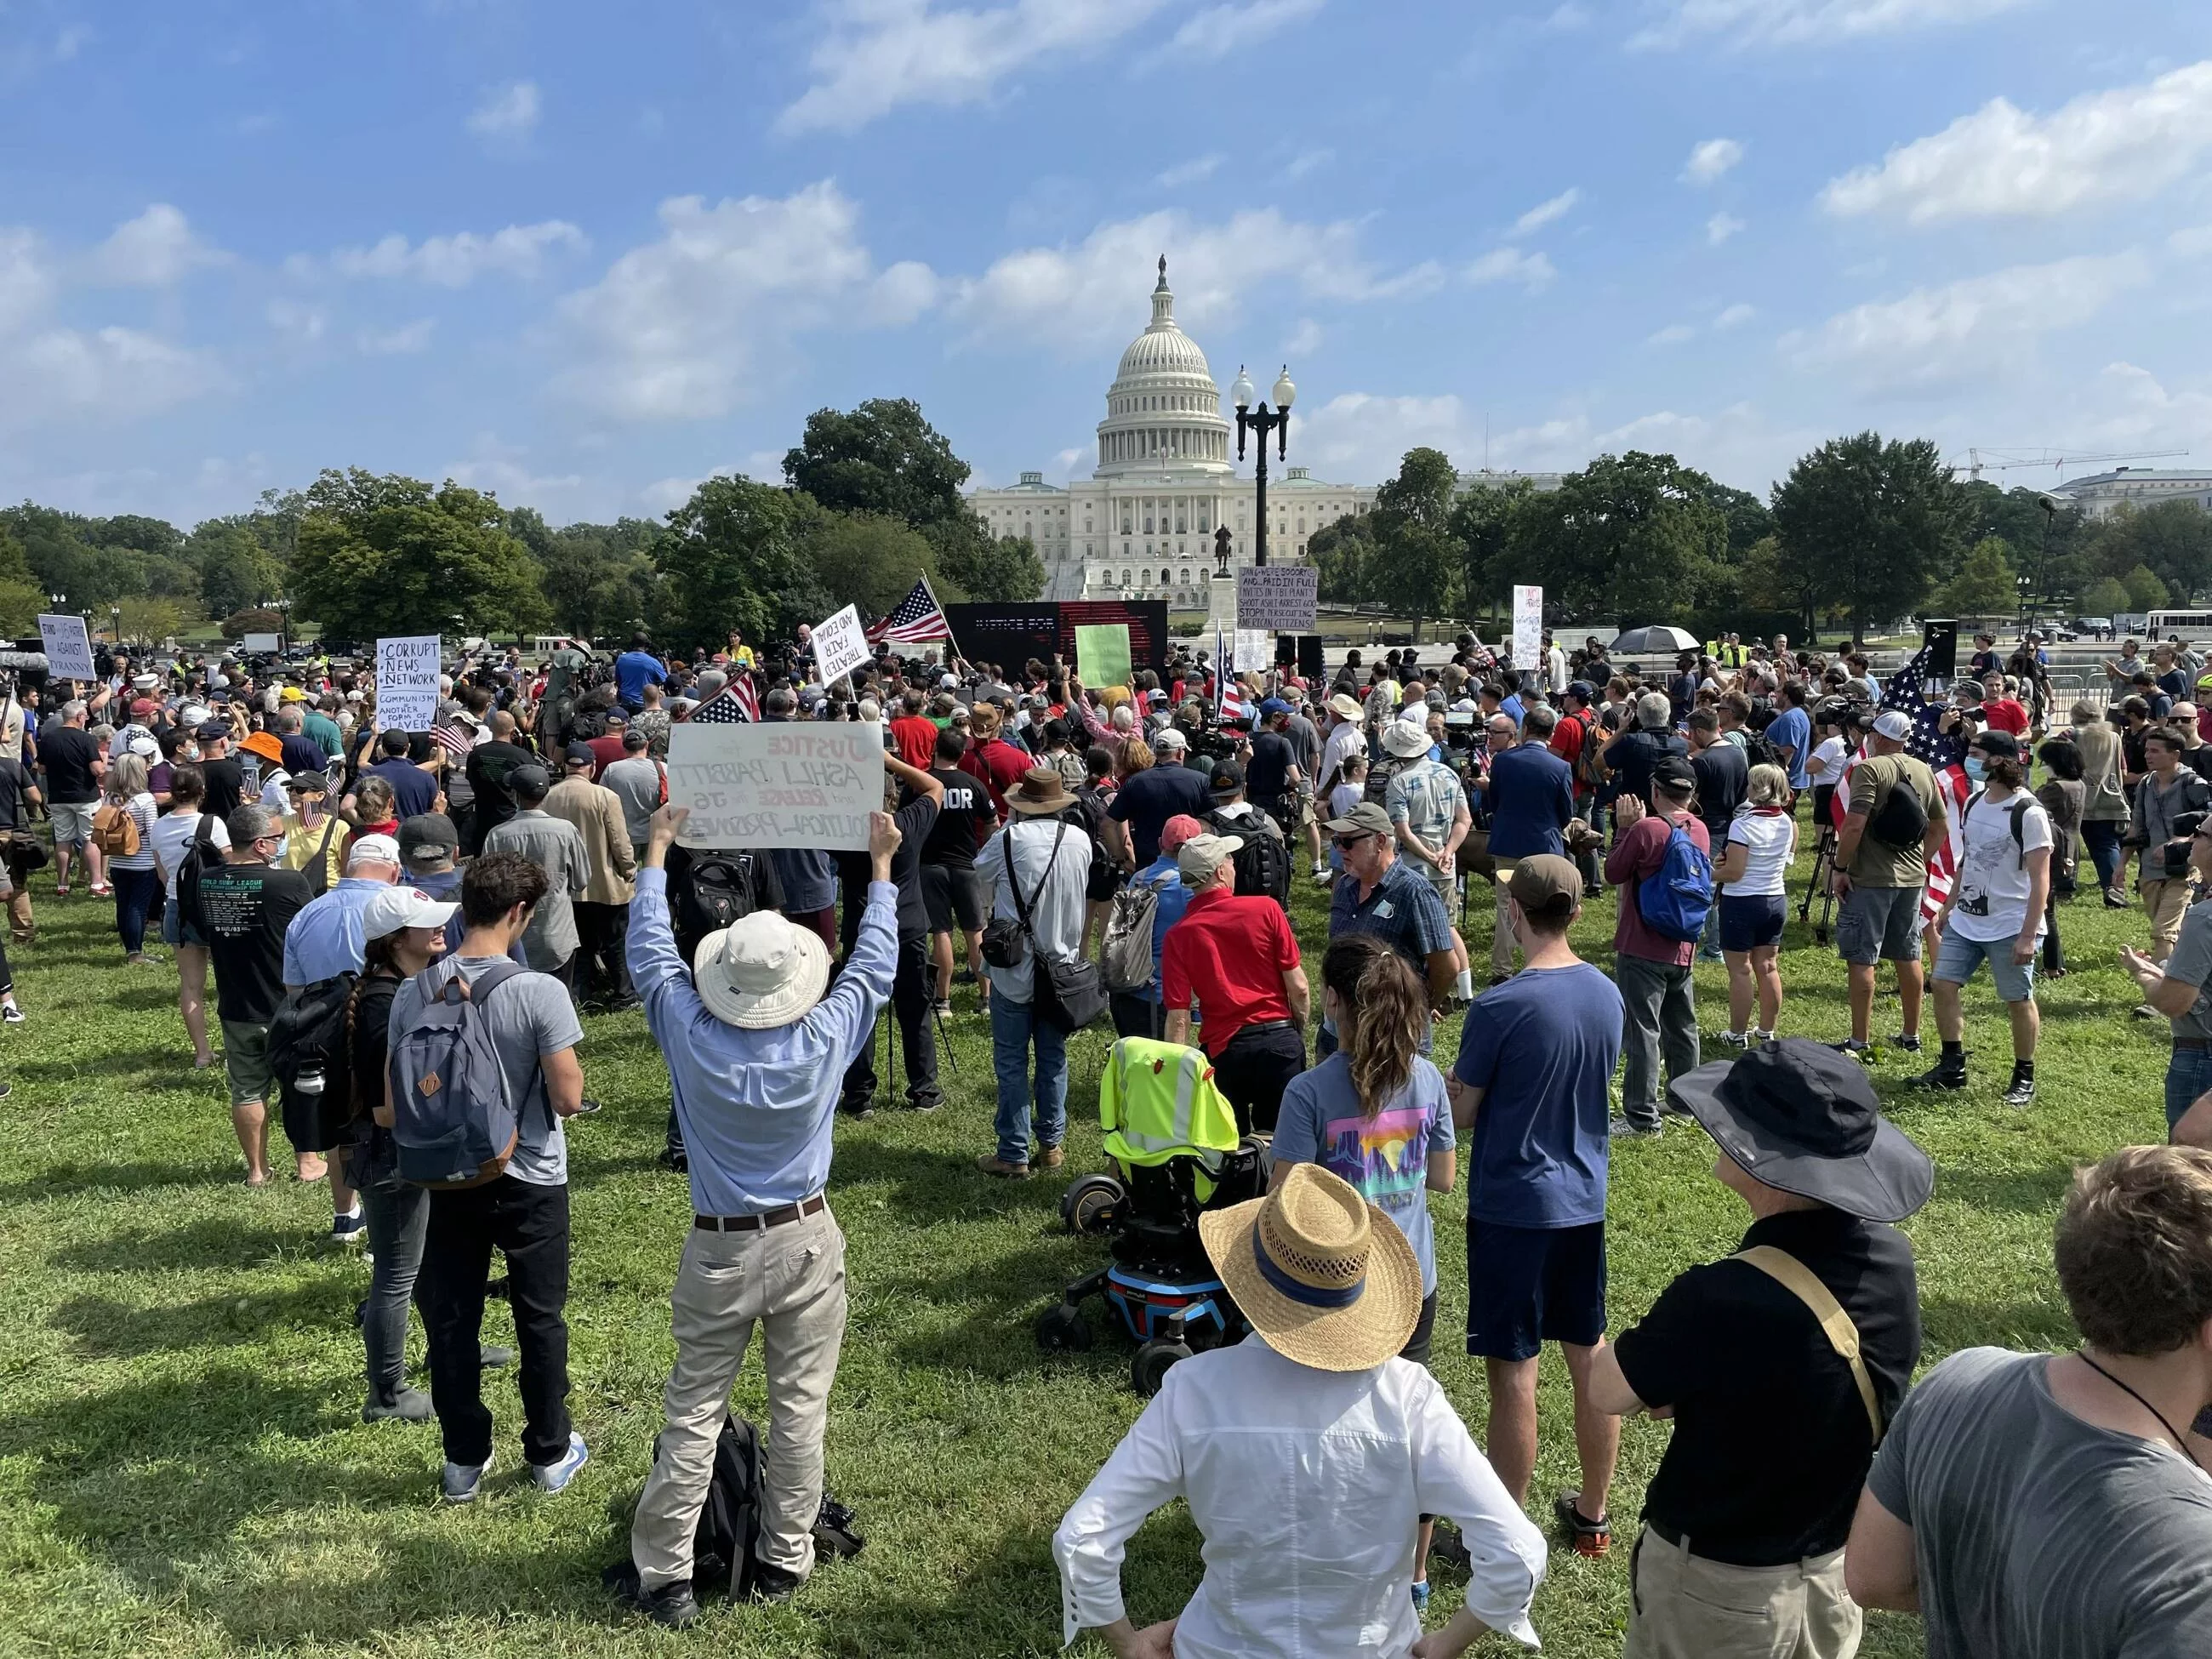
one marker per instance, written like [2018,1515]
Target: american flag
[1229,700]
[735,704]
[1946,755]
[918,620]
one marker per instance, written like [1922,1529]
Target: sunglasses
[1345,844]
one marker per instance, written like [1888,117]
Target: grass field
[183,1471]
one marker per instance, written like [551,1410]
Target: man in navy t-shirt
[635,670]
[1147,799]
[1528,1095]
[414,792]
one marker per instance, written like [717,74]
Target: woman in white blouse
[137,884]
[1305,1454]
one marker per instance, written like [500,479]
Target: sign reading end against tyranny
[789,784]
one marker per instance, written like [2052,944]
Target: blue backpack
[1674,899]
[452,1125]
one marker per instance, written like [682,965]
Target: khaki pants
[791,1281]
[2165,902]
[1683,1607]
[1501,931]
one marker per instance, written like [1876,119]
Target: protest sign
[1101,653]
[809,784]
[262,645]
[841,645]
[1528,628]
[1255,649]
[1277,598]
[407,683]
[69,652]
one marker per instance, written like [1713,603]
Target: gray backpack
[1125,956]
[452,1125]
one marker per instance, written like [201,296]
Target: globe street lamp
[1263,420]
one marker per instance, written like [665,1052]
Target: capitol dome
[1163,411]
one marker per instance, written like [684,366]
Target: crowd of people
[454,901]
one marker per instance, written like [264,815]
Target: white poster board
[407,683]
[1528,628]
[841,645]
[69,651]
[800,784]
[263,644]
[1277,598]
[1255,649]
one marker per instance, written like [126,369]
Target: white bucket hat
[761,971]
[1407,738]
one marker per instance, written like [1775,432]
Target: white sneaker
[11,1013]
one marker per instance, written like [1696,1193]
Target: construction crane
[1979,461]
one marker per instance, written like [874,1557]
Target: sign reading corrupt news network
[803,784]
[407,682]
[1277,598]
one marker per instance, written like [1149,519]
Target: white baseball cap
[1171,737]
[375,850]
[396,907]
[1894,724]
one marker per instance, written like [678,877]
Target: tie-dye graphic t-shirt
[1386,1157]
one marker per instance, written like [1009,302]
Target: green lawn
[183,1470]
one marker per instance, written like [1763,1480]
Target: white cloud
[498,469]
[1534,271]
[1808,22]
[1306,161]
[403,342]
[1982,325]
[1673,334]
[27,280]
[1191,172]
[106,374]
[1305,339]
[298,322]
[877,56]
[453,261]
[1220,30]
[665,495]
[1545,212]
[682,327]
[508,112]
[1359,434]
[1735,317]
[2126,142]
[1090,295]
[1711,159]
[154,250]
[1721,226]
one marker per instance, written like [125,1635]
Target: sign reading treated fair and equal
[841,645]
[788,784]
[1277,598]
[407,683]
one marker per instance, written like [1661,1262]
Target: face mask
[1974,768]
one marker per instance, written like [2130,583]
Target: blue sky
[586,255]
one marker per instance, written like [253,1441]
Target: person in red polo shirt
[1004,764]
[914,734]
[1240,959]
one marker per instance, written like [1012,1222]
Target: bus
[2188,625]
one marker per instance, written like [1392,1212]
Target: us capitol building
[1141,526]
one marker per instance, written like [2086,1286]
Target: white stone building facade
[2101,493]
[1141,526]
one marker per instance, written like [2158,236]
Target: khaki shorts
[72,822]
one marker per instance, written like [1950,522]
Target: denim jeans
[1661,1012]
[1014,1028]
[399,1220]
[2102,837]
[134,893]
[2188,1074]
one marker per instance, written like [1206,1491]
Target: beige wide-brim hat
[1345,706]
[1407,738]
[761,971]
[1323,1276]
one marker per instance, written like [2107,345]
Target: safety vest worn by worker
[1157,1101]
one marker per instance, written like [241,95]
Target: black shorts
[1530,1285]
[953,895]
[1416,1345]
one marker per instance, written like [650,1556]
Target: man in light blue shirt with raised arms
[757,1055]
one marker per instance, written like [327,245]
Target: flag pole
[939,604]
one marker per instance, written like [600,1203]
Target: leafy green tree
[598,580]
[1005,569]
[21,599]
[1770,582]
[2145,591]
[1418,562]
[237,567]
[882,458]
[153,617]
[1633,536]
[867,559]
[1749,520]
[255,619]
[1482,523]
[2173,539]
[2107,596]
[1876,523]
[1985,585]
[385,554]
[1344,553]
[731,560]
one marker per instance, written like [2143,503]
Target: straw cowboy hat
[1323,1276]
[1041,793]
[761,971]
[1343,707]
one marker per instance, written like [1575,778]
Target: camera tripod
[1824,870]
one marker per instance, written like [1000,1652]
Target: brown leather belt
[755,1223]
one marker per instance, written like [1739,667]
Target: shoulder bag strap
[1802,1283]
[1013,880]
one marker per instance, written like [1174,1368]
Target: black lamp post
[2049,503]
[1263,420]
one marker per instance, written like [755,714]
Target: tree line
[1864,530]
[870,501]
